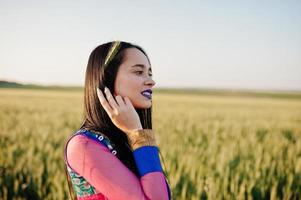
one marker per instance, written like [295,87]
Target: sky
[191,44]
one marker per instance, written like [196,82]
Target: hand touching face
[134,79]
[121,111]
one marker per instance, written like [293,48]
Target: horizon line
[233,89]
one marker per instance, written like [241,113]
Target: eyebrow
[141,66]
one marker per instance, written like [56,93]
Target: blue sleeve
[147,160]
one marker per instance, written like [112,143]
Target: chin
[143,106]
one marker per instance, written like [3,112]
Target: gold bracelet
[142,137]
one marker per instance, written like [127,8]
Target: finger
[110,98]
[120,100]
[105,104]
[128,101]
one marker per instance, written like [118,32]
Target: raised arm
[109,176]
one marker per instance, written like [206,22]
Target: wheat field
[214,146]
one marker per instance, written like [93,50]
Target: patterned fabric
[142,137]
[81,187]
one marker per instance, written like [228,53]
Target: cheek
[127,86]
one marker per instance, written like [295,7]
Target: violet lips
[147,93]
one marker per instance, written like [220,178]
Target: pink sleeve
[109,175]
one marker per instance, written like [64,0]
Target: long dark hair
[95,117]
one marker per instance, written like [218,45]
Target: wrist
[141,137]
[134,129]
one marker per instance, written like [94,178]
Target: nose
[150,82]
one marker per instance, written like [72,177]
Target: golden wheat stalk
[113,50]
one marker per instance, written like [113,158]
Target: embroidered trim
[142,137]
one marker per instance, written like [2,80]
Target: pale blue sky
[206,44]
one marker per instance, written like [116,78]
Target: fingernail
[106,89]
[97,89]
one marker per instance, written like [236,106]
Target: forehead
[133,56]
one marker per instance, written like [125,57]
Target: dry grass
[214,147]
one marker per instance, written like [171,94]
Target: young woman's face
[134,76]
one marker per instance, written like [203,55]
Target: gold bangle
[142,137]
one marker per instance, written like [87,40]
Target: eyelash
[141,72]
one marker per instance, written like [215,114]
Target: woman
[114,154]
